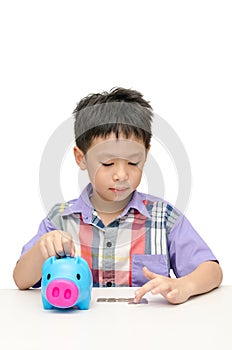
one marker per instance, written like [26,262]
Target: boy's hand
[58,243]
[171,289]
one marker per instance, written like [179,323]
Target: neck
[109,207]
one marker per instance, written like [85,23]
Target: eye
[133,164]
[48,276]
[78,276]
[107,164]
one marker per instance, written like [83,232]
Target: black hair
[121,111]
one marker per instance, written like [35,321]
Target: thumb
[149,274]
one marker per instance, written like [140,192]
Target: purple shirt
[149,232]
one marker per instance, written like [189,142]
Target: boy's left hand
[172,289]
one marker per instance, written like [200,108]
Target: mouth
[119,190]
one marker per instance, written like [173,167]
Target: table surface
[203,322]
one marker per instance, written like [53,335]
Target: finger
[147,287]
[162,288]
[47,248]
[58,246]
[172,296]
[44,251]
[73,250]
[68,246]
[50,248]
[149,274]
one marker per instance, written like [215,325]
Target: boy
[128,238]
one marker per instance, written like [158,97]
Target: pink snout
[62,293]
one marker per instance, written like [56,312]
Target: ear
[147,150]
[79,157]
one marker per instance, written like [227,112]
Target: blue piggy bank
[66,282]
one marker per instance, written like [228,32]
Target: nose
[62,293]
[120,173]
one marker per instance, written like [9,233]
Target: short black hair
[121,111]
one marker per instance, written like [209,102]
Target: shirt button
[109,244]
[109,284]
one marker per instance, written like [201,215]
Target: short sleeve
[187,250]
[53,221]
[44,227]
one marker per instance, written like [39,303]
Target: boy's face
[114,166]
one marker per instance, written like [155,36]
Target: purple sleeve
[187,249]
[44,227]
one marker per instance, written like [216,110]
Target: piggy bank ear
[52,259]
[77,259]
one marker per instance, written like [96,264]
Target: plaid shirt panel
[115,252]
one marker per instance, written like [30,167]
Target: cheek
[98,176]
[93,170]
[135,177]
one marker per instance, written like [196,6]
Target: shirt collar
[84,206]
[137,202]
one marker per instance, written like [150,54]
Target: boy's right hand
[58,243]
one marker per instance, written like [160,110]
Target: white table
[204,322]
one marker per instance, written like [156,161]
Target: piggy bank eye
[48,276]
[78,276]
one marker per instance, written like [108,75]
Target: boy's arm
[28,270]
[207,276]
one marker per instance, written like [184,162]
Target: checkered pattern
[113,252]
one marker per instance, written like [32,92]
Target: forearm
[28,269]
[204,278]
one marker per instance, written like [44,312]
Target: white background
[177,53]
